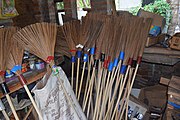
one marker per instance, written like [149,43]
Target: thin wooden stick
[77,76]
[2,108]
[28,113]
[12,107]
[82,77]
[5,115]
[72,74]
[87,81]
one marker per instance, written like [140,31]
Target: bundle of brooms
[119,44]
[118,41]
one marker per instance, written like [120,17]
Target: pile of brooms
[112,48]
[106,52]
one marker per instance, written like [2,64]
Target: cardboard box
[154,40]
[154,96]
[157,19]
[175,42]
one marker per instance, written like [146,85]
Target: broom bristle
[94,31]
[68,31]
[5,45]
[39,39]
[16,55]
[61,44]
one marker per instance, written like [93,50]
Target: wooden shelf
[34,77]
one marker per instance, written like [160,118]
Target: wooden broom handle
[5,115]
[72,74]
[77,77]
[33,102]
[82,77]
[12,106]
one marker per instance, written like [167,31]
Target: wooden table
[30,79]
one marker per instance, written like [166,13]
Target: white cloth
[52,101]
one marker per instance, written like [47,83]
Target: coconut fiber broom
[70,34]
[14,64]
[5,45]
[40,40]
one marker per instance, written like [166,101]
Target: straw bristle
[5,45]
[94,30]
[61,44]
[70,34]
[16,55]
[38,38]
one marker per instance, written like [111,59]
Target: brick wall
[70,7]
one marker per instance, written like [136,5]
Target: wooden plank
[161,59]
[161,51]
[164,81]
[173,92]
[30,80]
[175,82]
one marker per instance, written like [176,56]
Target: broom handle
[110,85]
[132,82]
[104,96]
[120,93]
[118,79]
[115,91]
[66,95]
[82,76]
[126,93]
[33,102]
[88,91]
[12,107]
[72,74]
[87,80]
[102,88]
[77,76]
[98,90]
[5,115]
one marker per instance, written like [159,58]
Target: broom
[79,45]
[14,64]
[84,34]
[88,94]
[68,30]
[144,38]
[102,109]
[5,45]
[120,93]
[124,68]
[93,34]
[97,57]
[40,39]
[103,36]
[2,109]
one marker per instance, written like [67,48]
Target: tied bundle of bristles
[119,42]
[5,46]
[39,39]
[14,64]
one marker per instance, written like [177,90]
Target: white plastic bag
[52,101]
